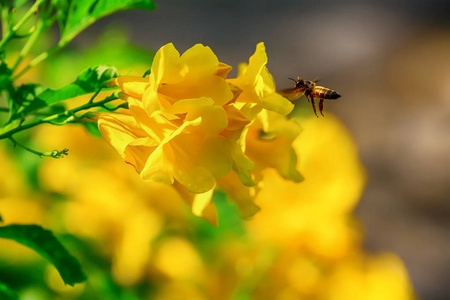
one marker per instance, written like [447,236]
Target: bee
[311,92]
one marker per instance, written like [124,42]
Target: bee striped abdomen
[321,92]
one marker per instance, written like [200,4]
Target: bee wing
[317,79]
[291,94]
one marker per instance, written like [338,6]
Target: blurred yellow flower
[369,277]
[316,213]
[109,206]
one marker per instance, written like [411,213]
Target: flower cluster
[190,126]
[305,245]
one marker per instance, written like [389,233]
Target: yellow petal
[223,70]
[201,204]
[165,66]
[199,61]
[277,103]
[158,168]
[119,130]
[138,151]
[133,86]
[277,153]
[242,195]
[156,125]
[256,64]
[197,165]
[213,87]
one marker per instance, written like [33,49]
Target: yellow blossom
[187,124]
[370,278]
[257,87]
[176,117]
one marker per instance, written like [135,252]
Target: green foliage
[25,104]
[5,77]
[7,293]
[89,81]
[76,15]
[230,222]
[92,127]
[44,242]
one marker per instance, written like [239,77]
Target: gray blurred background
[390,61]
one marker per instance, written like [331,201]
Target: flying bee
[311,92]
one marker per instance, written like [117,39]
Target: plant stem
[54,153]
[12,31]
[69,113]
[29,13]
[5,20]
[29,44]
[41,57]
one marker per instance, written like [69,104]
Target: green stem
[12,32]
[29,44]
[5,20]
[45,22]
[4,109]
[38,59]
[28,15]
[70,114]
[54,153]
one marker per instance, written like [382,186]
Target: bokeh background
[390,61]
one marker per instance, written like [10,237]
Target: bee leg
[314,106]
[321,107]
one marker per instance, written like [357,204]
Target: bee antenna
[292,79]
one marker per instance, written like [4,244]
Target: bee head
[299,83]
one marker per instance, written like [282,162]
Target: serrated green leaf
[76,15]
[6,293]
[87,82]
[44,242]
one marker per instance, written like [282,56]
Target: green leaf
[6,293]
[24,96]
[75,15]
[147,73]
[5,77]
[44,242]
[87,82]
[92,128]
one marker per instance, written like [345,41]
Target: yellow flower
[189,126]
[268,144]
[176,116]
[257,87]
[369,277]
[185,121]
